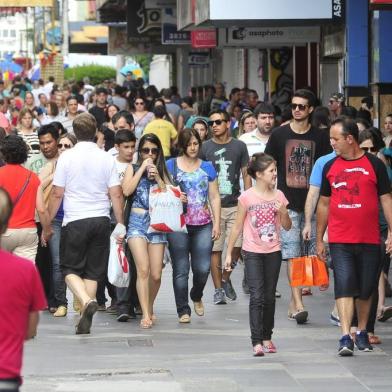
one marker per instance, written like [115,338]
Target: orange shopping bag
[308,271]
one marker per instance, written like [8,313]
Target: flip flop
[145,323]
[386,314]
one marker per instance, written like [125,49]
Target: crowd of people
[258,183]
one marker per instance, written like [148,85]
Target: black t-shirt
[228,160]
[99,114]
[295,155]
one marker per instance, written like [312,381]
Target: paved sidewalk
[213,353]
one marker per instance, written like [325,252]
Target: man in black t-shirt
[296,146]
[230,159]
[98,111]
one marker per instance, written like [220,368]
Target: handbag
[308,270]
[166,210]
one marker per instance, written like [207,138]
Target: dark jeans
[44,264]
[101,297]
[127,298]
[262,273]
[59,288]
[198,244]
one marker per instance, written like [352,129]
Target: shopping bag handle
[306,248]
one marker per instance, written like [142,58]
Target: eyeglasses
[217,122]
[139,103]
[61,145]
[300,107]
[146,150]
[371,149]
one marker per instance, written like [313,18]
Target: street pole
[65,29]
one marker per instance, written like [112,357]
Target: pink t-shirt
[262,224]
[21,292]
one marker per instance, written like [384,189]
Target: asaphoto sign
[256,36]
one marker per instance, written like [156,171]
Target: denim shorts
[139,223]
[292,241]
[356,269]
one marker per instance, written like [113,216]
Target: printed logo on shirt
[299,162]
[225,186]
[347,185]
[263,220]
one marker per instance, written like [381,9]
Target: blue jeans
[59,287]
[198,244]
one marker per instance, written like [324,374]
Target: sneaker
[346,346]
[199,307]
[334,320]
[86,319]
[270,349]
[132,313]
[112,309]
[219,297]
[258,350]
[123,317]
[101,308]
[229,290]
[138,310]
[245,287]
[184,319]
[61,311]
[277,294]
[362,341]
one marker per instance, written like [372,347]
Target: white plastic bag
[166,210]
[118,267]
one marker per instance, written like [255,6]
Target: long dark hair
[160,162]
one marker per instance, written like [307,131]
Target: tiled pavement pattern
[213,353]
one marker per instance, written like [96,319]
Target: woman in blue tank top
[147,248]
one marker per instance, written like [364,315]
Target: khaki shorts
[227,220]
[21,242]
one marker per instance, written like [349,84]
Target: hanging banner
[26,3]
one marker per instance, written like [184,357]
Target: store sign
[26,3]
[272,36]
[203,38]
[267,10]
[144,25]
[170,33]
[199,59]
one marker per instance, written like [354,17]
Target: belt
[9,385]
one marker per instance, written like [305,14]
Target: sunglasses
[146,150]
[371,149]
[61,145]
[300,107]
[217,122]
[139,103]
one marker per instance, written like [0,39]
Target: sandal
[374,339]
[301,316]
[269,348]
[145,323]
[306,291]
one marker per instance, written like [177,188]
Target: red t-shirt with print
[12,179]
[21,292]
[354,188]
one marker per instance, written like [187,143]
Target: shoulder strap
[175,171]
[20,194]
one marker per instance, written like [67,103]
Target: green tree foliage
[144,61]
[96,73]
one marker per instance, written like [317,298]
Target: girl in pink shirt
[261,212]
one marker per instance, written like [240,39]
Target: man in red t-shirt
[21,298]
[353,185]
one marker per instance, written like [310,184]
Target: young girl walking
[261,213]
